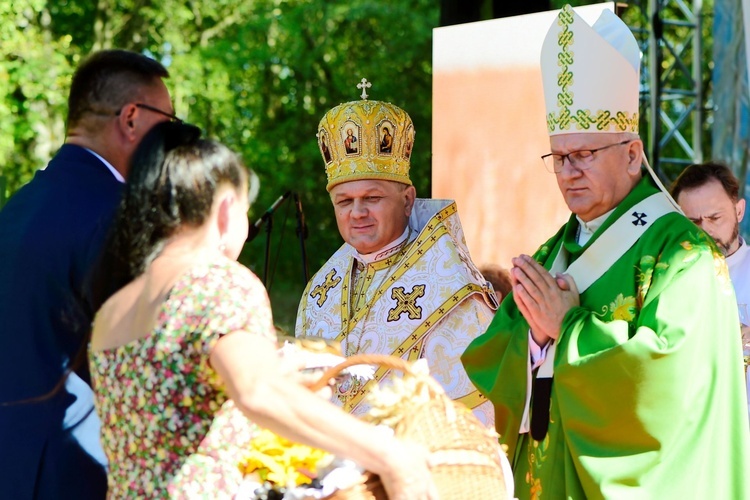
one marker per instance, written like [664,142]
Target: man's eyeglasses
[173,118]
[581,160]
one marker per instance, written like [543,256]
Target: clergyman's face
[596,190]
[711,209]
[370,214]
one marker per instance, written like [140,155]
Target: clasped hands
[542,299]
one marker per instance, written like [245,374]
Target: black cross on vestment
[640,219]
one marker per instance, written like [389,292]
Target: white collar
[107,164]
[387,251]
[739,253]
[587,229]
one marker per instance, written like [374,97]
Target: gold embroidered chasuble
[423,299]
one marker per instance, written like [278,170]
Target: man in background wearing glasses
[615,370]
[51,232]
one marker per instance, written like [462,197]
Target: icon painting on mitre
[409,141]
[386,138]
[350,138]
[324,148]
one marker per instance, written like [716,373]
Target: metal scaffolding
[672,87]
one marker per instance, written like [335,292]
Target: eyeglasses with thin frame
[582,159]
[173,118]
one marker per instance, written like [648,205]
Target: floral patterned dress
[168,427]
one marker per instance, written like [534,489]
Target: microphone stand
[267,256]
[267,217]
[302,235]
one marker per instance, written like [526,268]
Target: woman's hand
[409,477]
[292,367]
[308,378]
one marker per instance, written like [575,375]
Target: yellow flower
[722,272]
[623,308]
[281,461]
[536,489]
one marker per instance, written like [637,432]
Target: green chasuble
[647,397]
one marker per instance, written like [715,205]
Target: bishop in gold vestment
[403,282]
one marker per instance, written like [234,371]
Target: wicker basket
[465,456]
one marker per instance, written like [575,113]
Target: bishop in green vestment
[619,373]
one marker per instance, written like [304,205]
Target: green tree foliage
[256,74]
[34,76]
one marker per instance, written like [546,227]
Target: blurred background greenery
[256,74]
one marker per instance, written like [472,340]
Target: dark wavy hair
[699,174]
[173,179]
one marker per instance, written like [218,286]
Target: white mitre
[590,75]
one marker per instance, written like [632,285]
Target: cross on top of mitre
[364,85]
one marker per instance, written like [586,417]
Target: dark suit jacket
[51,233]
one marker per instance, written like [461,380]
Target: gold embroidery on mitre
[366,140]
[584,119]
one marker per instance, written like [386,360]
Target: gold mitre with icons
[590,75]
[366,140]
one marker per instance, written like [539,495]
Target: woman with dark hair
[183,357]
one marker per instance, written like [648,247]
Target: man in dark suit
[51,232]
